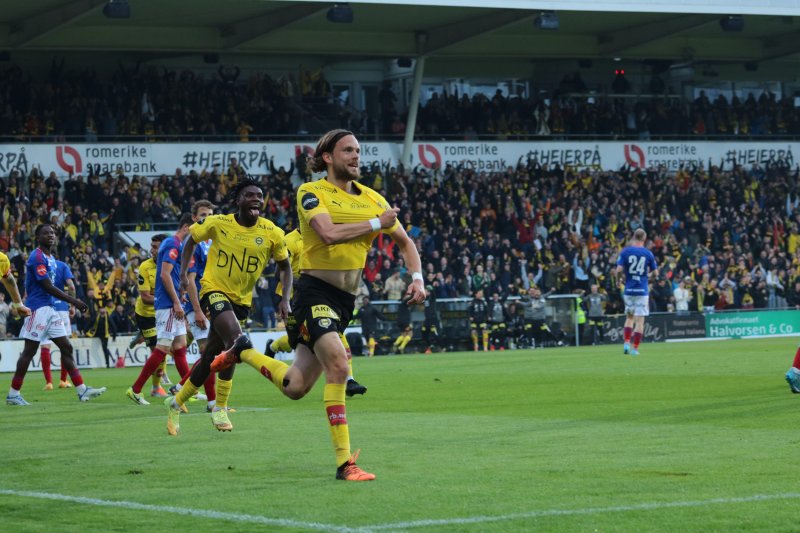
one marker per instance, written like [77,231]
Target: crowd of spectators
[155,103]
[725,237]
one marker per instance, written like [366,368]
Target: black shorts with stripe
[317,308]
[215,302]
[147,326]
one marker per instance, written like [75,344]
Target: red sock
[150,366]
[626,334]
[210,387]
[796,363]
[637,338]
[63,373]
[16,382]
[45,357]
[76,377]
[179,356]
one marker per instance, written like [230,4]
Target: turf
[685,437]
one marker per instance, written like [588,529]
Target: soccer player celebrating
[241,245]
[170,323]
[62,282]
[44,321]
[339,220]
[294,244]
[634,265]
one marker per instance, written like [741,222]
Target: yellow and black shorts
[147,325]
[317,308]
[214,303]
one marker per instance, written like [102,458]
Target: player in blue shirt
[44,321]
[62,282]
[634,266]
[170,317]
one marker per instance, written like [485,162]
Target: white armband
[375,223]
[416,276]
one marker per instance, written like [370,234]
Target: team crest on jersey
[309,201]
[141,279]
[259,241]
[323,311]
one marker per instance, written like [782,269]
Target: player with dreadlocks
[241,245]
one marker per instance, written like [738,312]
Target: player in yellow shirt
[339,219]
[241,246]
[10,283]
[294,243]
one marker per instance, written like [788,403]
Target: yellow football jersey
[237,255]
[320,196]
[5,265]
[294,244]
[147,283]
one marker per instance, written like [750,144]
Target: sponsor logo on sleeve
[41,270]
[309,201]
[173,254]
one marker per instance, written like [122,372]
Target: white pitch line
[282,522]
[202,513]
[578,512]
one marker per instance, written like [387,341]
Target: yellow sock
[371,343]
[270,368]
[340,434]
[474,337]
[187,391]
[405,341]
[223,391]
[155,379]
[398,340]
[485,340]
[281,344]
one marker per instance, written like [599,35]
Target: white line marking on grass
[577,512]
[201,513]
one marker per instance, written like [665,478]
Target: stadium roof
[454,35]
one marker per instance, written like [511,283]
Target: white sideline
[202,513]
[281,522]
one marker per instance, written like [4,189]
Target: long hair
[326,145]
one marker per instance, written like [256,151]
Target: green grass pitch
[685,437]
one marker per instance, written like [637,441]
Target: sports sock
[223,391]
[150,366]
[474,337]
[179,356]
[637,338]
[75,376]
[80,389]
[485,340]
[626,334]
[210,387]
[156,378]
[796,363]
[270,368]
[188,390]
[334,394]
[13,392]
[404,342]
[281,345]
[371,343]
[45,357]
[64,373]
[16,384]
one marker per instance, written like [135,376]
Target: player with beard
[242,244]
[339,219]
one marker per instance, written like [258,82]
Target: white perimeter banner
[153,159]
[89,354]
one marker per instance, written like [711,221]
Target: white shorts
[197,333]
[67,325]
[43,324]
[636,305]
[167,326]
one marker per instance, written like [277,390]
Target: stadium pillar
[411,120]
